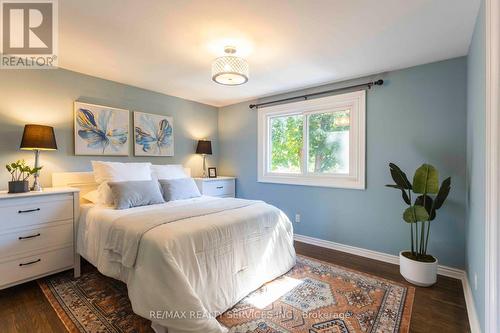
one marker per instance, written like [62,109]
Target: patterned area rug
[314,297]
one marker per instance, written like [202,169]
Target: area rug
[314,297]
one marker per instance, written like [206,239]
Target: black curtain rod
[366,85]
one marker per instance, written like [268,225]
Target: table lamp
[204,148]
[37,138]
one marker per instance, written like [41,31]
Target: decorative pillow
[168,171]
[119,172]
[177,189]
[136,193]
[92,196]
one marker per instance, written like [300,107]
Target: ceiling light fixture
[230,70]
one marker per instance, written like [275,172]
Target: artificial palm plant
[429,197]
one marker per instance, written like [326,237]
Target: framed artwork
[153,135]
[212,172]
[101,130]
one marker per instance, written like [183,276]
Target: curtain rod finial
[378,82]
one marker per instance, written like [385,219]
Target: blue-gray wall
[418,116]
[46,97]
[476,158]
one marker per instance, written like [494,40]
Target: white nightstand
[223,187]
[37,234]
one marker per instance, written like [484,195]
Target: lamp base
[36,184]
[204,175]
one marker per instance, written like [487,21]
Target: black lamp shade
[38,137]
[204,147]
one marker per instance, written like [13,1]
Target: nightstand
[223,187]
[37,234]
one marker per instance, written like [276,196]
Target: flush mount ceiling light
[229,69]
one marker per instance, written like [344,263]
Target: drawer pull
[220,187]
[30,263]
[31,236]
[28,211]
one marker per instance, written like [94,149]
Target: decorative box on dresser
[37,234]
[223,187]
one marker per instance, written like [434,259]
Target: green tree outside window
[325,142]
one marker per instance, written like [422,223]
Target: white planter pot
[422,274]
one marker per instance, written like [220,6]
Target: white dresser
[223,187]
[37,234]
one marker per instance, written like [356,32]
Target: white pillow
[105,172]
[92,196]
[120,172]
[168,171]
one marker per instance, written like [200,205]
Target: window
[319,142]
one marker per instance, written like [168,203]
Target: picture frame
[101,130]
[212,172]
[153,134]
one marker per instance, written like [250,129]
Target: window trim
[356,179]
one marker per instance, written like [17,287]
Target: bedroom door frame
[492,179]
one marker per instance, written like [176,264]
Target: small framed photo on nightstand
[212,172]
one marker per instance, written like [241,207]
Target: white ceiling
[168,46]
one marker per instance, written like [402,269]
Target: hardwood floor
[24,309]
[440,308]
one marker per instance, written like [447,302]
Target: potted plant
[20,172]
[416,265]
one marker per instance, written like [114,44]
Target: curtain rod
[306,96]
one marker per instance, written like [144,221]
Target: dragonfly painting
[154,135]
[100,130]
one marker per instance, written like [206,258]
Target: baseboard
[380,256]
[392,259]
[471,307]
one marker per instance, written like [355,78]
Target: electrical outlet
[297,218]
[475,281]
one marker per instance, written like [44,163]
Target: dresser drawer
[33,266]
[22,241]
[218,187]
[16,213]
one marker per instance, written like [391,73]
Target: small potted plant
[416,265]
[20,172]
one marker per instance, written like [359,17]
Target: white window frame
[353,101]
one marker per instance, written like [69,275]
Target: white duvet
[187,271]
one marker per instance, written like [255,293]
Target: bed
[187,261]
